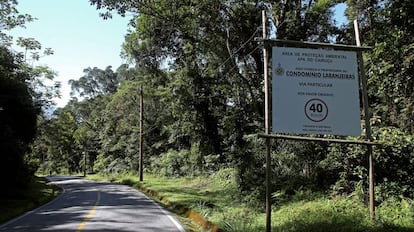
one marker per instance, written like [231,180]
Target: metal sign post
[368,133]
[321,112]
[267,130]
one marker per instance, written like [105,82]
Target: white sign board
[315,91]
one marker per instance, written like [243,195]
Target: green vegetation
[200,71]
[216,198]
[38,192]
[23,95]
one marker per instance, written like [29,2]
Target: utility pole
[141,137]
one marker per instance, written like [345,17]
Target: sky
[79,37]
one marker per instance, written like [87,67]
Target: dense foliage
[17,121]
[23,95]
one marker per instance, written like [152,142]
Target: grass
[216,198]
[180,191]
[38,193]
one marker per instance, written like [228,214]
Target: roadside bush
[394,163]
[231,220]
[322,214]
[395,211]
[174,164]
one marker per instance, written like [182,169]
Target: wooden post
[267,130]
[368,132]
[141,137]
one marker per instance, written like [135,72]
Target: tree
[95,82]
[120,134]
[9,19]
[37,75]
[23,96]
[303,20]
[17,123]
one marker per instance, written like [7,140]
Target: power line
[236,65]
[241,47]
[229,72]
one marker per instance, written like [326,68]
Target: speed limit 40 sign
[315,91]
[316,110]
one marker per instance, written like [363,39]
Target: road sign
[315,91]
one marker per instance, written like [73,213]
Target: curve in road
[88,206]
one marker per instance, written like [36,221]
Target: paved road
[87,206]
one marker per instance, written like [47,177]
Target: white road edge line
[172,219]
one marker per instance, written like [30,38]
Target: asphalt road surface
[89,206]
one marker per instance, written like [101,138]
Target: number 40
[318,107]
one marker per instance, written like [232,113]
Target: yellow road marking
[90,214]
